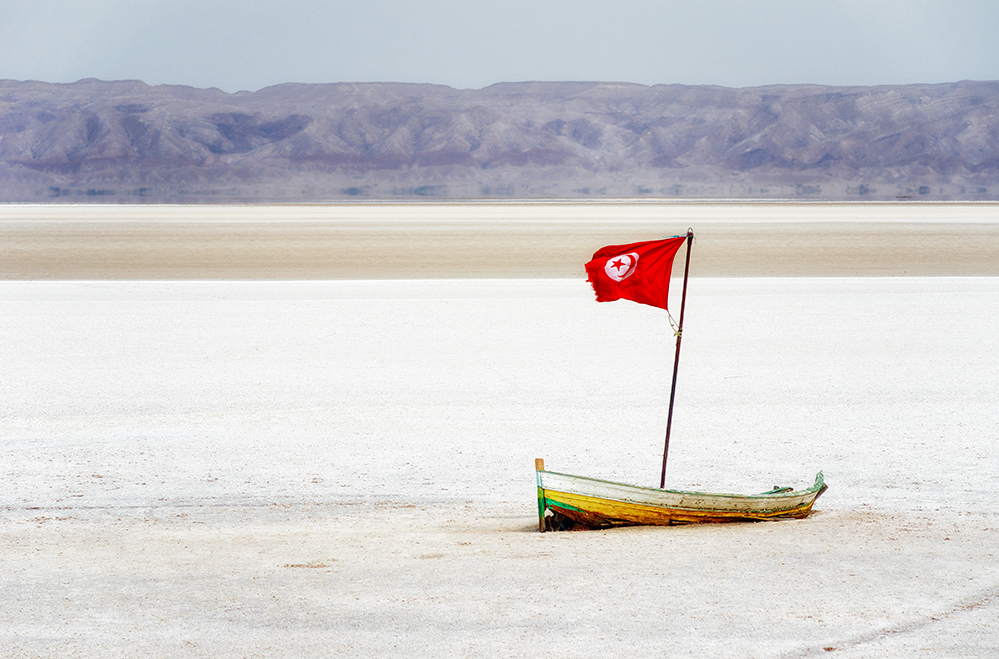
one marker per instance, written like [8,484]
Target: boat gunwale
[816,488]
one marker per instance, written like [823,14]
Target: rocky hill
[131,142]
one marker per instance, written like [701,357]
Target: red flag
[638,272]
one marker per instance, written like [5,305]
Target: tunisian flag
[638,272]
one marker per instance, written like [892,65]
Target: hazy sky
[249,44]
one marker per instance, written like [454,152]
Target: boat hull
[566,501]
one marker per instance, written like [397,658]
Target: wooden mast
[676,359]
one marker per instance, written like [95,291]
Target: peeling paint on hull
[566,501]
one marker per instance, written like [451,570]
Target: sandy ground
[522,240]
[305,469]
[311,468]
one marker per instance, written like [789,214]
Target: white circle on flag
[621,267]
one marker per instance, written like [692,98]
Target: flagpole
[676,359]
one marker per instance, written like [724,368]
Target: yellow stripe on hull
[594,511]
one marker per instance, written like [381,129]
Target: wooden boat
[640,272]
[566,502]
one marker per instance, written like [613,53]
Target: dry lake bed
[220,449]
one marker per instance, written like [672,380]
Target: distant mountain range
[131,142]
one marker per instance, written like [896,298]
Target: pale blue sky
[250,44]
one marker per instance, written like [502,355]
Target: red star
[618,264]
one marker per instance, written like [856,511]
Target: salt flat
[223,468]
